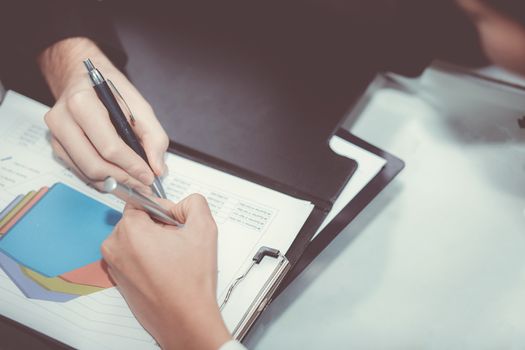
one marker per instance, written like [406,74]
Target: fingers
[194,211]
[81,124]
[78,147]
[133,232]
[135,220]
[61,153]
[153,137]
[155,142]
[124,237]
[76,150]
[92,117]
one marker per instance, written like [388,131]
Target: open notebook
[248,216]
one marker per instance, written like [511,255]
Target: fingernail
[146,178]
[165,171]
[160,162]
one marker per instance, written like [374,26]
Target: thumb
[154,139]
[192,210]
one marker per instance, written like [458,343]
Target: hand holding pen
[140,201]
[106,92]
[82,133]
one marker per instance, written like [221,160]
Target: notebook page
[247,215]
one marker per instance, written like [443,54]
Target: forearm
[61,63]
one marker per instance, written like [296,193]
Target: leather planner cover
[255,86]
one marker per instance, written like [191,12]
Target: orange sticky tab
[16,208]
[94,274]
[21,212]
[57,284]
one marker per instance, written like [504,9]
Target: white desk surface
[437,261]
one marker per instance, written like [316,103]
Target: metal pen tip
[157,188]
[89,65]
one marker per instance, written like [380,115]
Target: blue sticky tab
[60,233]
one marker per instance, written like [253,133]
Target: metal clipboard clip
[264,296]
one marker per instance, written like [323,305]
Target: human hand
[168,275]
[500,33]
[82,133]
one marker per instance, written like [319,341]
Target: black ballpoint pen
[119,120]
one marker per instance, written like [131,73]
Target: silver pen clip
[114,88]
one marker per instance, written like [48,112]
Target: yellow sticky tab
[57,284]
[17,208]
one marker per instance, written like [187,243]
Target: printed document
[248,216]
